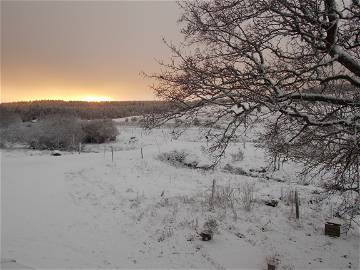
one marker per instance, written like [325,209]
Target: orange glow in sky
[83,50]
[95,99]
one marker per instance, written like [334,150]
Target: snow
[12,264]
[85,211]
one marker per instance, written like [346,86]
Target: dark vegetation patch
[234,170]
[84,110]
[182,159]
[57,132]
[176,158]
[52,124]
[99,131]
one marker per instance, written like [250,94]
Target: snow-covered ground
[87,211]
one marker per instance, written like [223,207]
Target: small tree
[293,63]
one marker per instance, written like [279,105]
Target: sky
[83,50]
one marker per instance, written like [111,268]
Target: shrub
[224,197]
[211,225]
[175,158]
[178,122]
[10,133]
[99,131]
[59,132]
[237,156]
[247,195]
[182,159]
[234,170]
[53,132]
[9,118]
[196,122]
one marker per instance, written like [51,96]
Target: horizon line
[75,100]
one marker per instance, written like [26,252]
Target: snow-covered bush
[178,122]
[211,225]
[247,195]
[182,158]
[234,170]
[99,131]
[164,233]
[54,132]
[175,157]
[223,198]
[196,122]
[59,132]
[237,156]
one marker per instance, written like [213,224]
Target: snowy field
[87,211]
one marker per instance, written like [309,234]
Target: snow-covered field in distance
[87,211]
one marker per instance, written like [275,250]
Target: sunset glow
[95,99]
[83,50]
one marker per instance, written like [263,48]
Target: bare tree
[294,63]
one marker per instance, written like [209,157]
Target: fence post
[297,204]
[73,147]
[212,196]
[112,154]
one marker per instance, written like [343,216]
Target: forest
[82,109]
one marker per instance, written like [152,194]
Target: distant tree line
[81,109]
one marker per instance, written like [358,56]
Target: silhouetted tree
[293,63]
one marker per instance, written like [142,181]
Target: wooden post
[297,205]
[112,153]
[73,144]
[291,202]
[79,148]
[142,154]
[331,211]
[212,196]
[104,150]
[278,165]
